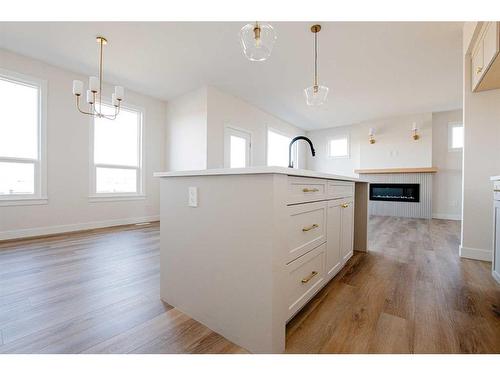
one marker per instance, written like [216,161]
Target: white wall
[481,160]
[393,148]
[186,139]
[322,163]
[224,110]
[447,183]
[68,205]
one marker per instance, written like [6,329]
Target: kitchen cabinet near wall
[254,245]
[485,59]
[340,222]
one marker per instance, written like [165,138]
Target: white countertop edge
[494,178]
[258,170]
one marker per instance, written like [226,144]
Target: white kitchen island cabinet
[243,250]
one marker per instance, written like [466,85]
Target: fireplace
[395,192]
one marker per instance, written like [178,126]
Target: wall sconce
[414,129]
[371,134]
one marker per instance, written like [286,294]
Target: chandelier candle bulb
[90,97]
[77,88]
[119,92]
[114,101]
[414,128]
[94,84]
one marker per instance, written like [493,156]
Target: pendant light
[257,40]
[316,94]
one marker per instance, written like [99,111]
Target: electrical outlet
[193,196]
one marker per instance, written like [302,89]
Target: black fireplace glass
[395,192]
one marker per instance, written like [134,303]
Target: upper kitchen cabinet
[485,60]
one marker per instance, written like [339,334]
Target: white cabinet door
[333,238]
[347,236]
[490,43]
[477,64]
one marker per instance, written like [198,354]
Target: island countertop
[259,170]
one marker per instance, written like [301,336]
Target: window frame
[140,194]
[238,132]
[451,125]
[39,195]
[338,137]
[295,147]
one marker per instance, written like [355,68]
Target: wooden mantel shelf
[397,170]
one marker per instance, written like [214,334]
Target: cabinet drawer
[340,190]
[302,190]
[306,228]
[305,276]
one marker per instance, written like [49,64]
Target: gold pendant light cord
[316,59]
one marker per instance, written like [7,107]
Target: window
[116,154]
[22,139]
[277,149]
[455,136]
[237,144]
[338,147]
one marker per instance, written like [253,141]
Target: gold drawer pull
[345,205]
[307,229]
[306,190]
[305,280]
[479,69]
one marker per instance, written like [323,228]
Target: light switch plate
[193,196]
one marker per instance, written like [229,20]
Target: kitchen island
[243,250]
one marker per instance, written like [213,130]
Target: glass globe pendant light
[316,94]
[257,40]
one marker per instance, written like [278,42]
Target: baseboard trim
[496,276]
[477,254]
[447,216]
[56,229]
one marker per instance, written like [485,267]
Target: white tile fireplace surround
[421,209]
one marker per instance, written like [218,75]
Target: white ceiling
[373,69]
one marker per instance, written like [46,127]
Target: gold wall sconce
[371,135]
[414,131]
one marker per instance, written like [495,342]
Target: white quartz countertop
[259,170]
[495,178]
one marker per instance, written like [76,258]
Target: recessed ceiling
[373,69]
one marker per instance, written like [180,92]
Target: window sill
[116,198]
[20,201]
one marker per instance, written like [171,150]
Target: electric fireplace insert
[395,192]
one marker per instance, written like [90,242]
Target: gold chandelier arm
[112,117]
[79,109]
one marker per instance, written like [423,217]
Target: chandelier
[94,93]
[257,41]
[316,94]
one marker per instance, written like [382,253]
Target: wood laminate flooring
[98,292]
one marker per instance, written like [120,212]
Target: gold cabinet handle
[307,229]
[345,205]
[305,280]
[479,69]
[306,190]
